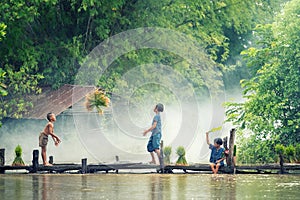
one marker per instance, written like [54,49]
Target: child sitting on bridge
[217,154]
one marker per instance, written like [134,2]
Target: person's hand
[207,133]
[57,141]
[145,133]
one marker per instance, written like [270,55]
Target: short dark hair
[160,107]
[49,115]
[218,141]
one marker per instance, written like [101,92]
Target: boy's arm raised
[207,138]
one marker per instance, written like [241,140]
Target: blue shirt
[157,129]
[216,154]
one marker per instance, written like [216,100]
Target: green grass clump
[167,154]
[180,151]
[18,161]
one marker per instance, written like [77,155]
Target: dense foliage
[272,107]
[43,42]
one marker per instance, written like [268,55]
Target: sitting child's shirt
[216,154]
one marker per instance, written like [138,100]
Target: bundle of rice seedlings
[167,154]
[215,129]
[180,151]
[96,100]
[18,161]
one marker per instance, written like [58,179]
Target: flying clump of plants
[97,100]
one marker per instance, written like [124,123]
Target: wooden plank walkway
[204,168]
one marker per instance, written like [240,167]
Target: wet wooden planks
[115,167]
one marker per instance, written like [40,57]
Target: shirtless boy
[43,138]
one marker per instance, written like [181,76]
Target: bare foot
[152,162]
[48,164]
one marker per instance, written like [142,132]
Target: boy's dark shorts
[154,142]
[221,164]
[43,139]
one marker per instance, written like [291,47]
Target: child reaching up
[43,138]
[217,154]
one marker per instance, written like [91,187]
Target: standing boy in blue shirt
[154,141]
[217,154]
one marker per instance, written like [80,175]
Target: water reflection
[223,186]
[35,187]
[181,187]
[157,188]
[147,186]
[84,187]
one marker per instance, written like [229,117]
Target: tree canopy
[272,107]
[44,42]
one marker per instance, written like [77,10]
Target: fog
[100,138]
[193,96]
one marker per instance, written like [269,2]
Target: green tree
[221,27]
[44,44]
[47,40]
[2,31]
[272,105]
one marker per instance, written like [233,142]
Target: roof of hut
[57,101]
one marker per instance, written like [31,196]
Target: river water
[148,186]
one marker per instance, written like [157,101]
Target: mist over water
[188,114]
[99,138]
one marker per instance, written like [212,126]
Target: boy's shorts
[154,142]
[43,139]
[221,164]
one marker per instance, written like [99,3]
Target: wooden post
[234,159]
[281,164]
[35,161]
[161,157]
[2,160]
[2,157]
[84,165]
[225,144]
[117,160]
[51,159]
[231,147]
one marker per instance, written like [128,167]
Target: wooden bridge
[146,168]
[118,166]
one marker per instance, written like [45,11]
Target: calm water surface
[148,186]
